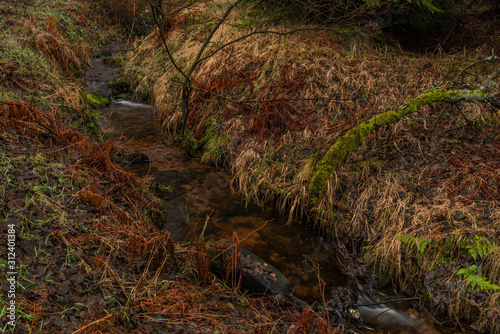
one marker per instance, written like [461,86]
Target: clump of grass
[47,49]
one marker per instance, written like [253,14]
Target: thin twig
[273,32]
[388,301]
[263,101]
[154,9]
[240,241]
[490,80]
[471,124]
[490,58]
[205,225]
[93,322]
[321,283]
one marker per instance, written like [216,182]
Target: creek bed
[199,198]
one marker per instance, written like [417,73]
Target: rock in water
[256,274]
[261,277]
[389,319]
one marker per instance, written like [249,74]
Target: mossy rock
[99,99]
[122,85]
[115,61]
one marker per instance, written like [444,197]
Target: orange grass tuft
[55,46]
[310,322]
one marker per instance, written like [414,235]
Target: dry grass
[134,274]
[47,50]
[54,46]
[414,178]
[87,218]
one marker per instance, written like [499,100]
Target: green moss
[123,84]
[344,146]
[190,143]
[98,99]
[94,130]
[116,61]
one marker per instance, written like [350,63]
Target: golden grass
[47,50]
[105,218]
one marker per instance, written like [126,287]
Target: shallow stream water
[197,193]
[199,198]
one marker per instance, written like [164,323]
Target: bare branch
[490,80]
[207,40]
[264,32]
[490,58]
[164,42]
[227,98]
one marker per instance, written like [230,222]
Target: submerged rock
[122,85]
[256,274]
[389,319]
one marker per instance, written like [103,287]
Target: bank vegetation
[392,153]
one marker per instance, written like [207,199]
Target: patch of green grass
[7,95]
[167,189]
[20,315]
[27,59]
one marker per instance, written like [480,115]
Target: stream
[198,197]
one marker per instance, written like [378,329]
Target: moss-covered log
[348,142]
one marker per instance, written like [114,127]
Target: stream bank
[416,199]
[198,197]
[79,244]
[88,254]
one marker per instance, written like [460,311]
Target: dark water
[199,198]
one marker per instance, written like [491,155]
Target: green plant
[478,281]
[167,189]
[419,243]
[479,247]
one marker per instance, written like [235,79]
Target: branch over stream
[348,142]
